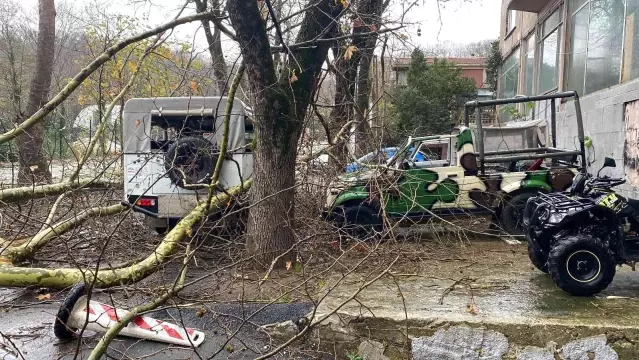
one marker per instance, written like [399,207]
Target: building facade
[472,67]
[587,46]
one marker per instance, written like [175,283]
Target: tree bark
[33,163]
[352,73]
[279,109]
[214,39]
[370,12]
[345,71]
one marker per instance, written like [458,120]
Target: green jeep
[457,181]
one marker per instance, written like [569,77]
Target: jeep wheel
[538,258]
[581,265]
[358,220]
[512,213]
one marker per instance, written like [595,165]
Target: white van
[171,146]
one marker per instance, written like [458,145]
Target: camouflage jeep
[450,185]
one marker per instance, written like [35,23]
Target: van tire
[190,160]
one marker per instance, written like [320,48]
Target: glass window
[530,65]
[549,69]
[511,21]
[551,23]
[401,77]
[549,48]
[605,37]
[579,44]
[631,42]
[510,76]
[576,4]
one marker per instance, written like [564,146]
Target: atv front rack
[540,207]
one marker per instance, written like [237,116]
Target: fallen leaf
[200,313]
[473,309]
[350,50]
[343,2]
[288,265]
[193,86]
[293,78]
[189,232]
[138,122]
[43,297]
[33,168]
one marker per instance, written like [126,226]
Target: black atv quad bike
[580,236]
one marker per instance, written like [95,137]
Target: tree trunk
[371,12]
[220,73]
[279,111]
[33,163]
[345,71]
[363,135]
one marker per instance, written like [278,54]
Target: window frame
[511,22]
[531,47]
[571,14]
[517,65]
[540,38]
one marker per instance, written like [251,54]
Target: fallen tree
[65,277]
[41,191]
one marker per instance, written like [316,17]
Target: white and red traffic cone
[75,312]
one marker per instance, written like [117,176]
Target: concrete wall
[604,122]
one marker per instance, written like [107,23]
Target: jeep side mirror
[608,162]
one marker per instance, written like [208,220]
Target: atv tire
[537,258]
[360,221]
[190,161]
[512,213]
[581,265]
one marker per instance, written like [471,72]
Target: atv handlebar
[604,182]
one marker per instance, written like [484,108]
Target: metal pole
[480,139]
[553,122]
[467,116]
[580,133]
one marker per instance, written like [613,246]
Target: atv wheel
[538,258]
[358,220]
[512,213]
[581,265]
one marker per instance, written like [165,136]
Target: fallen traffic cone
[74,313]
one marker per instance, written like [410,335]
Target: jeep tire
[581,265]
[360,221]
[190,160]
[512,212]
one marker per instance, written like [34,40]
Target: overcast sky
[462,21]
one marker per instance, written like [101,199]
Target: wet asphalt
[29,330]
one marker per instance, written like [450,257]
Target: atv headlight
[556,218]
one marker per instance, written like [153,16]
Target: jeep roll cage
[504,156]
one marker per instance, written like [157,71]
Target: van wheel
[513,212]
[360,221]
[581,265]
